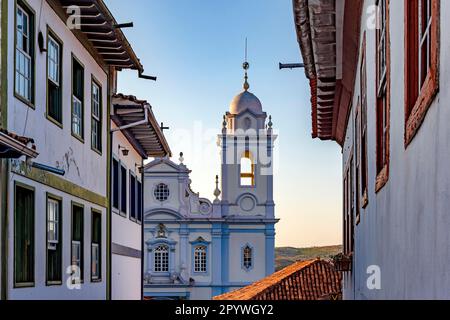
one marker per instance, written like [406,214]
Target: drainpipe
[147,109]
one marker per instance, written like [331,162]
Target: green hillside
[287,255]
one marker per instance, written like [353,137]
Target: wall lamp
[125,151]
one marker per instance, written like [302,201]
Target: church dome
[246,101]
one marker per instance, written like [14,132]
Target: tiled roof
[130,98]
[99,27]
[23,140]
[14,146]
[147,138]
[306,280]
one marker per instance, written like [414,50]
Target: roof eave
[331,71]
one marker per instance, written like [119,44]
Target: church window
[247,257]
[200,259]
[161,259]
[247,170]
[162,192]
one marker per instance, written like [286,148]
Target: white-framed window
[54,63]
[96,132]
[161,258]
[54,81]
[200,259]
[24,54]
[162,192]
[53,220]
[77,99]
[247,258]
[77,117]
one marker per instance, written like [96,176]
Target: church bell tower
[247,143]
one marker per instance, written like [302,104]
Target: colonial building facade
[378,72]
[135,136]
[59,64]
[198,249]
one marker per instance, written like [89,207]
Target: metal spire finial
[181,159]
[246,67]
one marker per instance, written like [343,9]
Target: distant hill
[287,255]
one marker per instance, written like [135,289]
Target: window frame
[251,259]
[52,35]
[418,100]
[60,241]
[357,162]
[82,102]
[99,119]
[81,241]
[123,190]
[133,200]
[94,213]
[383,104]
[363,127]
[114,184]
[349,207]
[157,193]
[140,198]
[162,269]
[203,259]
[31,13]
[26,284]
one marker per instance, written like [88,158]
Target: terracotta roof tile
[130,98]
[304,280]
[23,140]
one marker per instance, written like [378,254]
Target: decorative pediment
[200,240]
[165,165]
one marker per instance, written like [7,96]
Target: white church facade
[197,249]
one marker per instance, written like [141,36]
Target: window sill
[24,285]
[382,179]
[96,280]
[97,151]
[53,283]
[25,101]
[78,138]
[119,213]
[365,200]
[55,122]
[358,219]
[420,110]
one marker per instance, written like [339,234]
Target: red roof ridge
[252,291]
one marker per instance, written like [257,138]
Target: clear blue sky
[196,48]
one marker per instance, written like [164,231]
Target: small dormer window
[162,192]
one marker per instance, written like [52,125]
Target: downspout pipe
[147,109]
